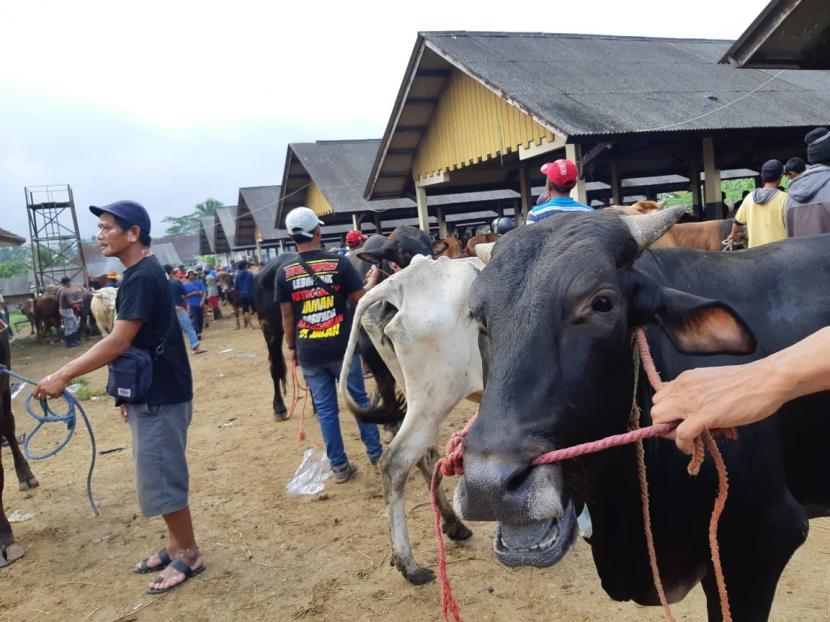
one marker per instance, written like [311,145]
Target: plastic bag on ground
[310,477]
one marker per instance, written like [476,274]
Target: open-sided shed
[481,111]
[329,177]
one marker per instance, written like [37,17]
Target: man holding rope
[146,320]
[313,288]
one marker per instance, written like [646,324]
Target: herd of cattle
[537,328]
[96,311]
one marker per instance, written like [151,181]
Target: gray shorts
[159,443]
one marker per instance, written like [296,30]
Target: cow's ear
[439,247]
[694,325]
[698,325]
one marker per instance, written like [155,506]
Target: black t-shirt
[323,322]
[145,294]
[177,291]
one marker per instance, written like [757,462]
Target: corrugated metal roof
[7,238]
[257,208]
[787,33]
[225,229]
[581,85]
[340,169]
[166,254]
[17,285]
[186,245]
[207,235]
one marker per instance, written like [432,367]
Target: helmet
[505,224]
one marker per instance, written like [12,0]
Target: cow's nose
[505,489]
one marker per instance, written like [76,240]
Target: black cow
[557,307]
[401,246]
[270,321]
[9,551]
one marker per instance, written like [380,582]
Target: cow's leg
[25,477]
[9,551]
[408,447]
[451,524]
[752,571]
[276,360]
[236,314]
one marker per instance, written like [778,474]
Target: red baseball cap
[562,172]
[354,237]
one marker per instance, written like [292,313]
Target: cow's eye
[603,304]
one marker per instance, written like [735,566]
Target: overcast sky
[168,103]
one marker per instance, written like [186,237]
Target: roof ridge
[563,35]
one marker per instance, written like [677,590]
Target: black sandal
[143,568]
[181,567]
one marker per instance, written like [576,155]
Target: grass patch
[83,391]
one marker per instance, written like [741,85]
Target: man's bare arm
[724,397]
[108,349]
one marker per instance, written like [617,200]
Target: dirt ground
[275,557]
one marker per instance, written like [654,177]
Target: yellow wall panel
[471,124]
[316,201]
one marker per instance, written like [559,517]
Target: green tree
[189,223]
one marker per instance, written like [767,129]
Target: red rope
[298,393]
[453,464]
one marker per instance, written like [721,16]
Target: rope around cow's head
[452,464]
[48,415]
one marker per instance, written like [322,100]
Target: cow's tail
[388,406]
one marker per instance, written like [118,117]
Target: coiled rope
[49,415]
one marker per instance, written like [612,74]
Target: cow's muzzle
[537,522]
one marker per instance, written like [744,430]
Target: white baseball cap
[302,221]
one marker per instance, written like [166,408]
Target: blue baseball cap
[132,213]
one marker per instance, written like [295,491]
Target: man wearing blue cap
[146,320]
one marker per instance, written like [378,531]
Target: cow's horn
[646,229]
[483,251]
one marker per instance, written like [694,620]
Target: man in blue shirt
[243,283]
[195,293]
[562,176]
[178,293]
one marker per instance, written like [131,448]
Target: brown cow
[639,208]
[706,236]
[481,238]
[46,313]
[27,308]
[454,248]
[9,551]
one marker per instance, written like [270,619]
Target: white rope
[706,114]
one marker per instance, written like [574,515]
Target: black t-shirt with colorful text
[323,321]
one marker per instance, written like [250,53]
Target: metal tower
[53,229]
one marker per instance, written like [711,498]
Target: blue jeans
[321,379]
[187,326]
[197,318]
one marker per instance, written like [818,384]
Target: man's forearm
[803,368]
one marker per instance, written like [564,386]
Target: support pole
[525,197]
[355,222]
[578,193]
[442,224]
[378,224]
[423,212]
[714,204]
[616,185]
[694,185]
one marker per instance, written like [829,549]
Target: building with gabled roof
[255,218]
[7,238]
[207,235]
[329,176]
[483,110]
